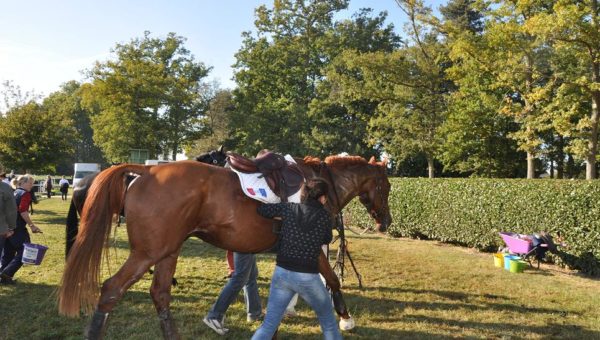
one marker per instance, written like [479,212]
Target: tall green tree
[34,139]
[476,137]
[149,96]
[343,127]
[407,86]
[67,102]
[573,27]
[277,71]
[512,63]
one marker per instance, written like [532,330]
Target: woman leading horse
[189,199]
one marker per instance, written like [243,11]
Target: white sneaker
[216,325]
[290,313]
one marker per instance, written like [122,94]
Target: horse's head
[374,194]
[214,157]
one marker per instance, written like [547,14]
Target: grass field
[413,289]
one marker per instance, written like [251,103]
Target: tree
[511,62]
[463,16]
[343,127]
[34,139]
[277,71]
[407,86]
[573,27]
[216,122]
[150,96]
[67,102]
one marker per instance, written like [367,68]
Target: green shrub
[471,212]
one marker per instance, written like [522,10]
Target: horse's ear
[220,149]
[372,160]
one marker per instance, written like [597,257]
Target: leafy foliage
[34,139]
[472,211]
[150,96]
[67,102]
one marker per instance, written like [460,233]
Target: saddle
[283,177]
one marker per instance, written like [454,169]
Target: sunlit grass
[413,289]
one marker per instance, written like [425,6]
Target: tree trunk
[590,167]
[560,157]
[430,168]
[530,165]
[570,166]
[174,154]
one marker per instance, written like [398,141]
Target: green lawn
[413,289]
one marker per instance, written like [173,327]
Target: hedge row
[471,212]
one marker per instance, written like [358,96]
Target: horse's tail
[72,227]
[79,288]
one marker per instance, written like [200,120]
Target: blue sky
[46,43]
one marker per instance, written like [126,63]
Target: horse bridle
[378,190]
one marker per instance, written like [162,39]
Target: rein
[323,168]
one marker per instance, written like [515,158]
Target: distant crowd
[16,199]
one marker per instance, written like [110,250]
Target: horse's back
[192,198]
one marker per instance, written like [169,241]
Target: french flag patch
[263,192]
[251,191]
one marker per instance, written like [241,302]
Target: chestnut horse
[191,199]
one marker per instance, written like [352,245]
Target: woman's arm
[27,218]
[270,210]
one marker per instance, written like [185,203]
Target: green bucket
[517,266]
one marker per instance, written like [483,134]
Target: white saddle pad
[256,187]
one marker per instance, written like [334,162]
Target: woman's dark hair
[315,188]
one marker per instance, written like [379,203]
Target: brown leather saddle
[283,177]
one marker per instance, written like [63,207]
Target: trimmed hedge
[472,211]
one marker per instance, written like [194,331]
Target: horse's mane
[335,160]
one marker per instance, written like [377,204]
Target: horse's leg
[113,289]
[161,294]
[346,321]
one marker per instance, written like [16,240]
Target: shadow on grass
[34,314]
[464,302]
[549,330]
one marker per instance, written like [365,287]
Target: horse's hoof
[347,324]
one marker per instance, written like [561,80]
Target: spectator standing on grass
[64,188]
[48,186]
[8,213]
[13,247]
[4,178]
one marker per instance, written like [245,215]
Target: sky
[44,44]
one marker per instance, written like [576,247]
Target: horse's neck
[346,187]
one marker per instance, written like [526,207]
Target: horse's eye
[214,161]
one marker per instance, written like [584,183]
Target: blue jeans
[244,276]
[13,252]
[2,239]
[284,284]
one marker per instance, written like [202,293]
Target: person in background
[4,178]
[48,186]
[13,247]
[305,227]
[8,214]
[244,276]
[64,188]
